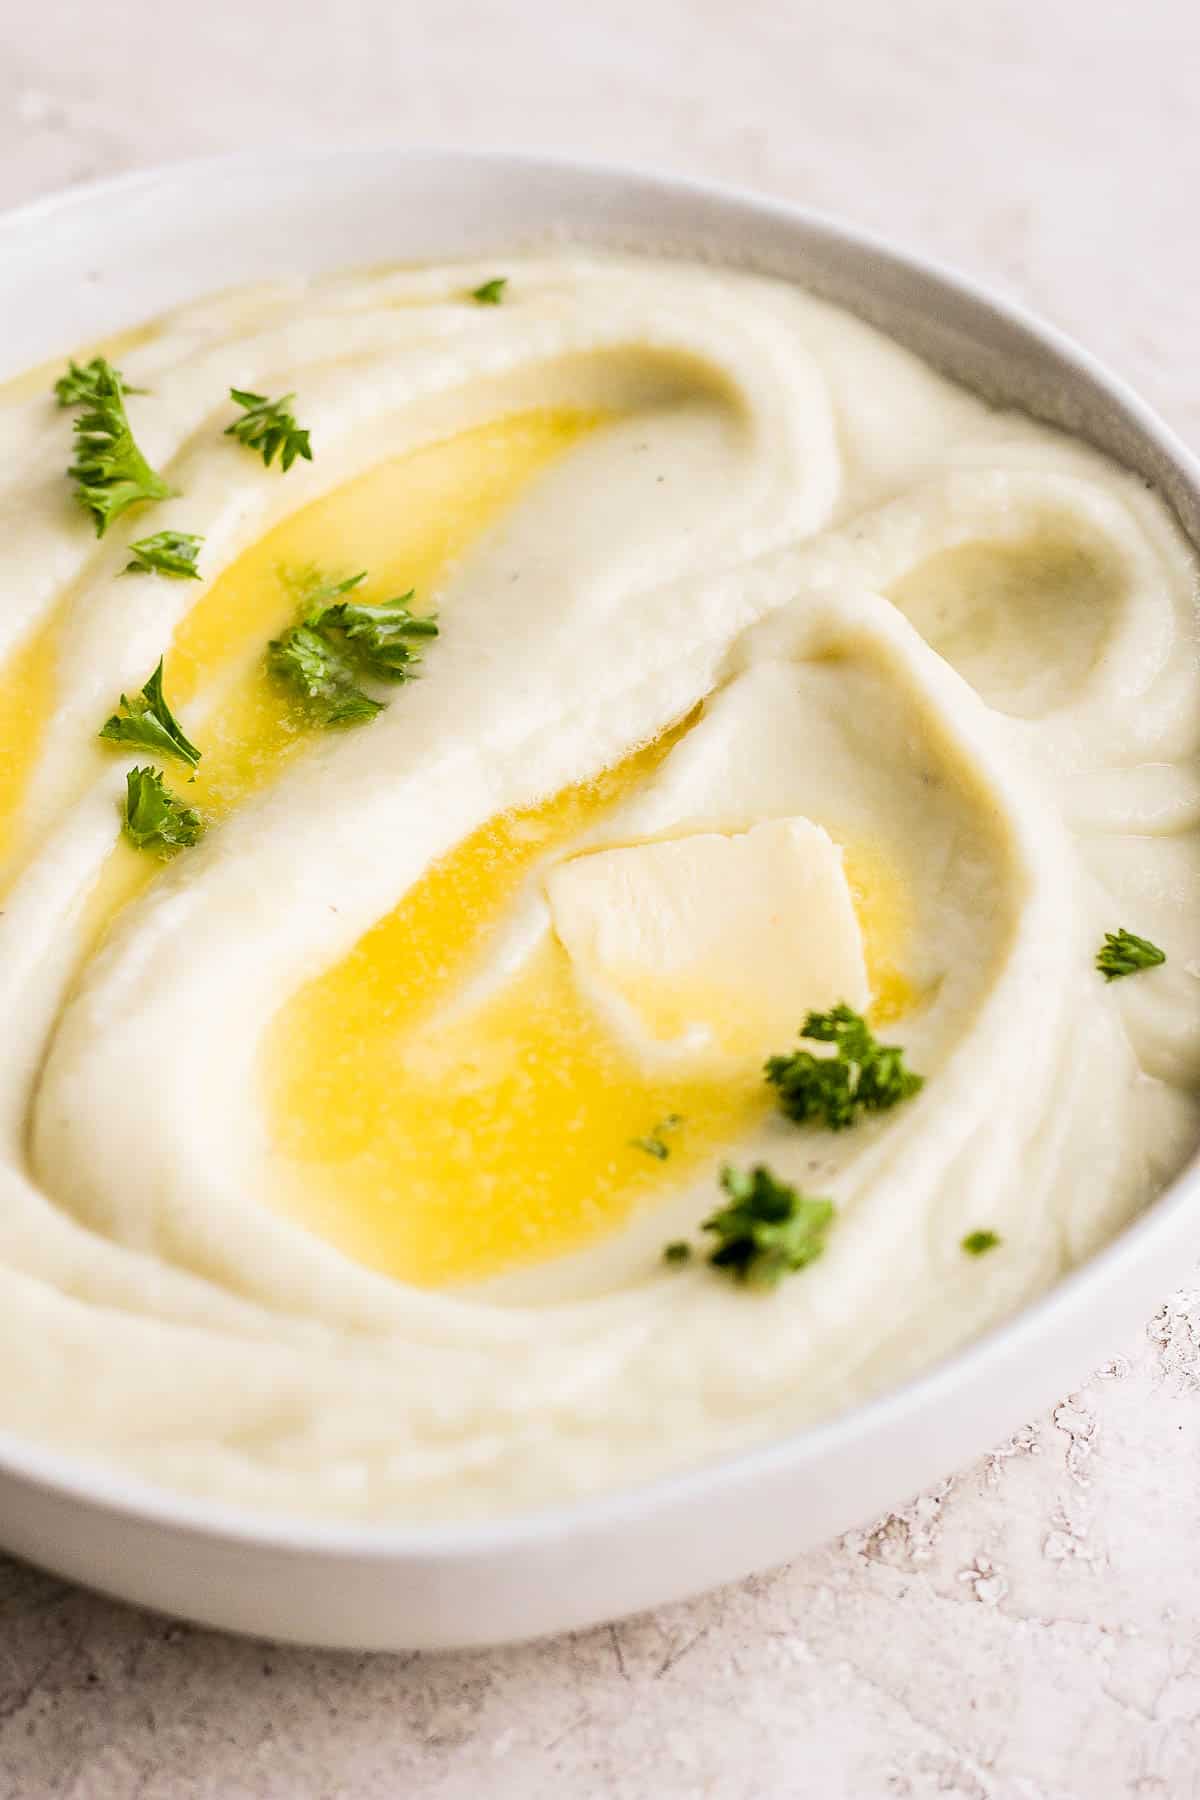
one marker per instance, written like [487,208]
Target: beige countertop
[1029,1629]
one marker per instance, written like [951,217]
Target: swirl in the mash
[942,633]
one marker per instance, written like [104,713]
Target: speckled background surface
[1029,1629]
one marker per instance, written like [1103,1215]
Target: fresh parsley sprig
[148,721]
[861,1076]
[155,818]
[269,426]
[768,1230]
[379,638]
[79,384]
[339,642]
[325,678]
[171,553]
[110,471]
[490,293]
[1122,953]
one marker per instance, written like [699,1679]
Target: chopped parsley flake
[269,426]
[861,1075]
[768,1230]
[171,553]
[109,470]
[490,293]
[1122,953]
[148,721]
[654,1143]
[155,818]
[339,642]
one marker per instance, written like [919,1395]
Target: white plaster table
[1030,1630]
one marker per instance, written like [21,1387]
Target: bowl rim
[88,1479]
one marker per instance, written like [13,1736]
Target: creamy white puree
[759,532]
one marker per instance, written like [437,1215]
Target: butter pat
[712,946]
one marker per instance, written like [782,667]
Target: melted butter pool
[447,1151]
[437,1145]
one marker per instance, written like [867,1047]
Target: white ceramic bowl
[87,263]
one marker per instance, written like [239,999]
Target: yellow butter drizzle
[26,707]
[436,1152]
[27,678]
[403,522]
[884,907]
[440,1152]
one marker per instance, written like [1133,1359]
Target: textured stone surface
[1026,1631]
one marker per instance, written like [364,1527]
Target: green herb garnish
[977,1243]
[1124,954]
[166,553]
[769,1229]
[654,1141]
[79,384]
[861,1076]
[155,819]
[379,638]
[110,470]
[148,721]
[338,642]
[678,1252]
[269,426]
[327,679]
[490,293]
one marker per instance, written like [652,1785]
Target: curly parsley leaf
[148,721]
[269,426]
[78,386]
[110,471]
[769,1229]
[171,553]
[978,1243]
[490,293]
[339,642]
[1122,953]
[155,818]
[380,639]
[861,1076]
[326,679]
[678,1252]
